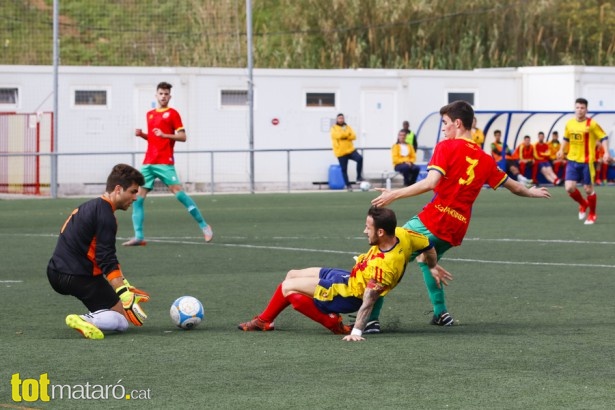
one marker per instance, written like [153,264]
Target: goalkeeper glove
[140,295]
[133,311]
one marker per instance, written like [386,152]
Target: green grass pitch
[532,297]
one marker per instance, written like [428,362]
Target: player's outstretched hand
[541,192]
[385,198]
[441,275]
[133,311]
[353,338]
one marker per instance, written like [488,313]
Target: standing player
[323,293]
[84,263]
[164,128]
[457,172]
[581,135]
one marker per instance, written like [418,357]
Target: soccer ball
[365,186]
[187,312]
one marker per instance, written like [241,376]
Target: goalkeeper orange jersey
[86,245]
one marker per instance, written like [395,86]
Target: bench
[389,175]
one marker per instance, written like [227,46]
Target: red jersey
[542,151]
[465,168]
[160,150]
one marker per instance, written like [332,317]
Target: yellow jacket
[341,138]
[398,154]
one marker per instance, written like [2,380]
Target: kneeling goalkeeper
[84,263]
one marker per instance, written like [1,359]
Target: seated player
[84,263]
[525,155]
[323,293]
[601,168]
[543,161]
[498,149]
[558,164]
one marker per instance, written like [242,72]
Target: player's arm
[425,185]
[179,135]
[430,258]
[561,154]
[519,189]
[370,296]
[139,133]
[607,155]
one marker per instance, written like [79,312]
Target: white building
[99,108]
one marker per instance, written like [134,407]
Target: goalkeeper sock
[376,310]
[305,305]
[138,216]
[592,199]
[191,207]
[436,294]
[576,195]
[275,306]
[106,319]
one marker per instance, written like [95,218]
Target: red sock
[276,305]
[603,171]
[576,195]
[305,305]
[535,172]
[556,168]
[591,202]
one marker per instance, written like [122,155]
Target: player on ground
[323,293]
[581,135]
[456,174]
[164,128]
[84,263]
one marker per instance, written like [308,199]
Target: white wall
[375,103]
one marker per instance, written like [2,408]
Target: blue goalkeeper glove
[129,300]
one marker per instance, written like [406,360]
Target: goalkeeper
[84,263]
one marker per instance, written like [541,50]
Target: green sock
[436,294]
[191,207]
[376,310]
[138,216]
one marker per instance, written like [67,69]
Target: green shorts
[416,225]
[166,173]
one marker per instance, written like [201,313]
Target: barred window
[9,96]
[91,98]
[320,99]
[234,98]
[467,97]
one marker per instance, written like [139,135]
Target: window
[234,98]
[467,97]
[91,98]
[320,99]
[9,96]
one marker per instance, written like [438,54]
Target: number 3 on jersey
[469,171]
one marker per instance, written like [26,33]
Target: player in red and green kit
[164,128]
[580,137]
[456,174]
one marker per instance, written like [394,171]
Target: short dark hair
[384,218]
[527,137]
[541,133]
[497,132]
[124,175]
[164,86]
[339,115]
[459,110]
[581,101]
[555,133]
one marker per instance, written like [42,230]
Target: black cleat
[444,319]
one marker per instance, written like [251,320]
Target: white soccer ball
[187,312]
[365,186]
